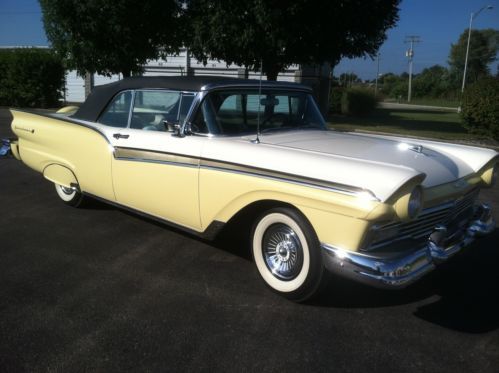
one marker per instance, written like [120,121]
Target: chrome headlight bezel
[409,205]
[490,175]
[495,175]
[415,202]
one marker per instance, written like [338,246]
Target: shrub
[335,99]
[358,101]
[30,77]
[480,109]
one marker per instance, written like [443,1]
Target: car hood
[379,164]
[439,167]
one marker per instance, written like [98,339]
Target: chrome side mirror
[174,128]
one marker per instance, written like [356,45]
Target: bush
[335,99]
[480,109]
[30,77]
[358,101]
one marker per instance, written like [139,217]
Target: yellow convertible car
[196,151]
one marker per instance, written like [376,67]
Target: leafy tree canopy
[280,33]
[432,82]
[484,47]
[107,36]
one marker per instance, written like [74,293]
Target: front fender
[337,218]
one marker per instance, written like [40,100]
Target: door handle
[118,136]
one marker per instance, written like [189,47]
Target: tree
[432,82]
[480,109]
[393,85]
[347,79]
[30,77]
[484,46]
[107,36]
[278,33]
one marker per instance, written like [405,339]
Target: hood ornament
[414,148]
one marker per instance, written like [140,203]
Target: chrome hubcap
[282,251]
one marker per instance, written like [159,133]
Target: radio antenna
[257,140]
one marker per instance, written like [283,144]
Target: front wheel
[287,254]
[70,196]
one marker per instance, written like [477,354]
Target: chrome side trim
[278,176]
[140,155]
[236,85]
[130,109]
[402,269]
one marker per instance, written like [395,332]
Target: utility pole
[472,17]
[412,39]
[377,75]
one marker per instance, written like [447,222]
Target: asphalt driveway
[100,289]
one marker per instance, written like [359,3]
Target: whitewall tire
[70,196]
[287,253]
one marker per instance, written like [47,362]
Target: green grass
[432,124]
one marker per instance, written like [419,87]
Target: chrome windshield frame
[201,95]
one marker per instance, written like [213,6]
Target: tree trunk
[271,71]
[126,73]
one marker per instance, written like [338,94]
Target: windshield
[239,112]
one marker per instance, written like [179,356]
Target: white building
[182,64]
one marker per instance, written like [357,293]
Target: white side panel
[75,87]
[101,79]
[175,65]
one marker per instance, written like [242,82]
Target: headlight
[408,206]
[415,202]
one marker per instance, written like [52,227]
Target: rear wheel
[70,196]
[287,254]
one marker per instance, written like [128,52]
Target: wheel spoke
[282,251]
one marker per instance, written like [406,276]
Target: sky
[438,23]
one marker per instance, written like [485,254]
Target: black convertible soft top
[102,95]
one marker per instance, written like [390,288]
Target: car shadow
[462,294]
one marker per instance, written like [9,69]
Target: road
[100,289]
[401,106]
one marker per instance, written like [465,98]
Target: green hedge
[335,99]
[480,109]
[358,101]
[30,77]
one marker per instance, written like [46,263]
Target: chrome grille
[425,223]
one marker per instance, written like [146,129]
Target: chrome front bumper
[398,271]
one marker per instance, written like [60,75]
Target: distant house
[182,64]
